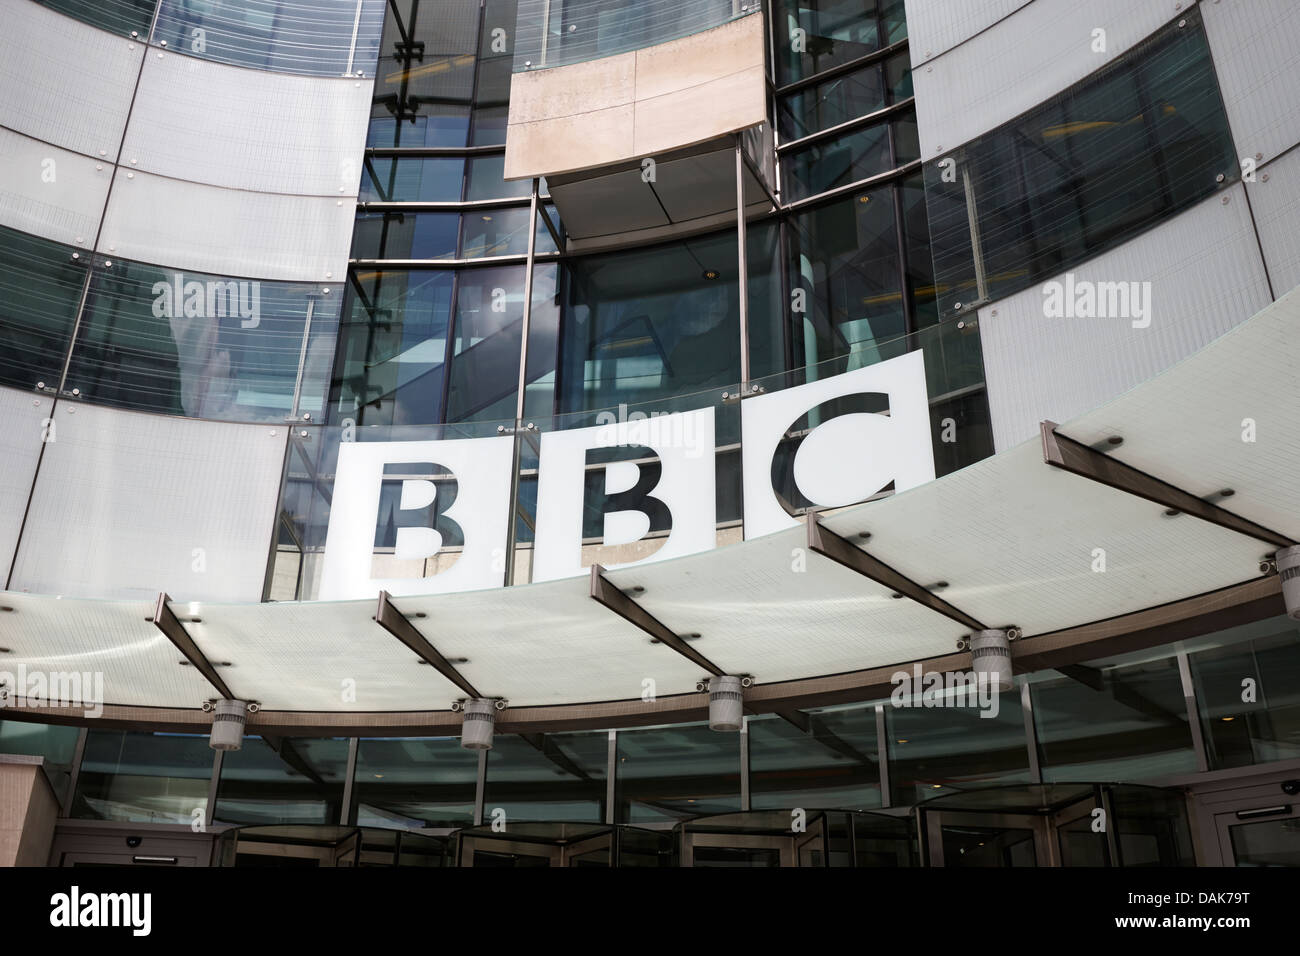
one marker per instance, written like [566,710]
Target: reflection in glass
[1248,693]
[143,778]
[1123,719]
[116,16]
[401,234]
[1130,146]
[560,777]
[834,763]
[414,782]
[185,343]
[831,32]
[407,179]
[294,780]
[673,773]
[40,289]
[314,37]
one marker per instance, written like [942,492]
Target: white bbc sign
[461,488]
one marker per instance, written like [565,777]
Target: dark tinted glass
[1130,146]
[395,234]
[672,773]
[317,37]
[845,159]
[40,288]
[834,763]
[145,778]
[815,35]
[299,780]
[414,782]
[205,346]
[843,98]
[116,16]
[561,778]
[389,179]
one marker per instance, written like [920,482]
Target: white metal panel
[1205,276]
[230,232]
[1224,418]
[1041,49]
[51,192]
[772,609]
[1256,50]
[1275,201]
[548,643]
[207,122]
[935,26]
[117,640]
[63,81]
[1017,541]
[129,504]
[23,414]
[320,656]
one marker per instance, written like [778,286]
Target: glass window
[296,780]
[961,432]
[316,37]
[413,782]
[845,159]
[939,750]
[832,764]
[672,773]
[392,348]
[186,343]
[1248,692]
[643,325]
[424,83]
[485,179]
[843,98]
[1132,145]
[562,777]
[406,179]
[144,778]
[116,16]
[815,35]
[844,257]
[400,234]
[496,232]
[40,289]
[56,743]
[1120,719]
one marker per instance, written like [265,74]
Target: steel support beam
[1077,458]
[842,551]
[607,593]
[395,623]
[166,621]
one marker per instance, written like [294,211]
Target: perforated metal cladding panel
[1017,540]
[319,656]
[137,664]
[50,192]
[127,505]
[23,414]
[935,26]
[227,232]
[1205,276]
[549,644]
[777,611]
[1041,49]
[1192,426]
[1256,48]
[1275,201]
[207,122]
[64,82]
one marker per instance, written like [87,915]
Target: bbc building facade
[655,433]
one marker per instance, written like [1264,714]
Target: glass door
[1267,835]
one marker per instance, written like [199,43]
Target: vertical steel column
[744,763]
[1193,712]
[523,384]
[214,782]
[611,769]
[78,753]
[882,755]
[479,787]
[1031,735]
[346,810]
[742,264]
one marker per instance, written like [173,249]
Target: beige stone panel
[569,143]
[700,113]
[28,810]
[573,90]
[699,59]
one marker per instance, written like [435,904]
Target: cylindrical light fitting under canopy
[479,723]
[228,719]
[726,704]
[1288,569]
[990,653]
